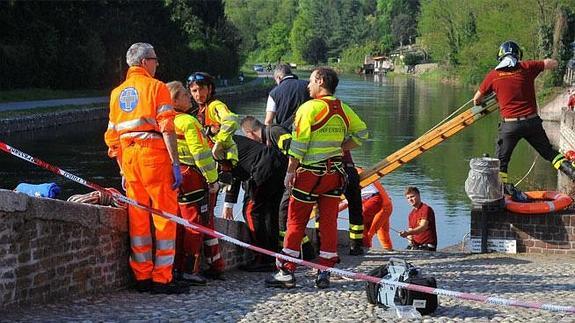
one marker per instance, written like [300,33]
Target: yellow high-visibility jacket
[193,147]
[320,128]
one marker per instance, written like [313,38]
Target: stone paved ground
[242,297]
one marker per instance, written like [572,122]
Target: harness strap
[334,108]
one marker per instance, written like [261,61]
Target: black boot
[172,287]
[516,194]
[568,169]
[356,248]
[322,279]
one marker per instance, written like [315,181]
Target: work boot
[143,286]
[356,248]
[281,279]
[568,169]
[170,288]
[213,275]
[195,279]
[516,194]
[322,279]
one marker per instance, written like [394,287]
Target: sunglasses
[196,77]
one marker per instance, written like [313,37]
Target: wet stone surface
[242,297]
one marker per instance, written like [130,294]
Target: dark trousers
[261,214]
[531,130]
[353,195]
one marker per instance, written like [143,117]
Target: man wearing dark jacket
[261,169]
[285,98]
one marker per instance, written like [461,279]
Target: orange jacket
[140,110]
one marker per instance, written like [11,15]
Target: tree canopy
[82,44]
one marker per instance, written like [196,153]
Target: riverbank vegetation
[82,44]
[75,45]
[462,36]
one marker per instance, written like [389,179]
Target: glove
[177,176]
[213,188]
[218,151]
[289,180]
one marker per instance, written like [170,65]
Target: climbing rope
[448,117]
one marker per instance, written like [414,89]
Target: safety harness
[331,164]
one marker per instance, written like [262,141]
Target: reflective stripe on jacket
[319,132]
[193,148]
[140,105]
[218,114]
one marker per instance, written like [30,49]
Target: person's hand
[228,213]
[124,184]
[177,176]
[403,234]
[218,151]
[213,188]
[289,180]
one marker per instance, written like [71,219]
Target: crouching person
[322,127]
[197,193]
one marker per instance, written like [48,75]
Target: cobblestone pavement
[242,296]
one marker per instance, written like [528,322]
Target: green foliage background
[82,44]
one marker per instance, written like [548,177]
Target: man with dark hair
[286,97]
[513,82]
[219,122]
[261,169]
[421,233]
[280,139]
[323,127]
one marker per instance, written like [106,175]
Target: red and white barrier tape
[358,276]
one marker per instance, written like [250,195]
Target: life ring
[545,202]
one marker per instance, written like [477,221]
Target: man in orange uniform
[141,137]
[377,208]
[199,187]
[322,128]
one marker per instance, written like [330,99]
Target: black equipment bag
[425,303]
[405,296]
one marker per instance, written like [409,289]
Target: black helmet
[202,79]
[509,48]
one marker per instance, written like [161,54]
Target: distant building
[377,65]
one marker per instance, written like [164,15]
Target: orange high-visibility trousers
[376,213]
[148,174]
[321,187]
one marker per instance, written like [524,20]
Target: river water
[396,110]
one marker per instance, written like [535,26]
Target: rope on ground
[343,273]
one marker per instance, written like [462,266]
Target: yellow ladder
[428,140]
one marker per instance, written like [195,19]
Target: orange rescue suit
[140,111]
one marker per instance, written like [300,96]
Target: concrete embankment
[82,113]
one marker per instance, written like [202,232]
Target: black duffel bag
[425,303]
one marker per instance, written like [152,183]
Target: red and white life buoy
[544,202]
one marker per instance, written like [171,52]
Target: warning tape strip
[358,276]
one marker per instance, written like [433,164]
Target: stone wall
[537,233]
[51,249]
